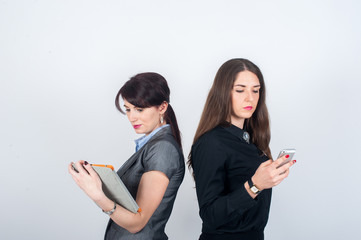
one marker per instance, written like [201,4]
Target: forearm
[217,212]
[133,222]
[149,197]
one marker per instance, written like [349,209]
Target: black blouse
[222,162]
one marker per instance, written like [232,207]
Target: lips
[248,108]
[136,126]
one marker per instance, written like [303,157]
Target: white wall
[62,62]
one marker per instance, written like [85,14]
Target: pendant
[246,137]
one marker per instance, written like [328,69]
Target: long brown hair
[218,107]
[147,90]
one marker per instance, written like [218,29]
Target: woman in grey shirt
[155,171]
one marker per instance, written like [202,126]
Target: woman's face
[245,95]
[144,120]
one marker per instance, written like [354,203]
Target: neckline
[238,132]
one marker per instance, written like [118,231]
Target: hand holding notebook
[114,188]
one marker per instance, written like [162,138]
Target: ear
[163,107]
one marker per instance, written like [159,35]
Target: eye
[140,109]
[256,91]
[127,110]
[240,91]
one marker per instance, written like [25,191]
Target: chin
[246,116]
[138,131]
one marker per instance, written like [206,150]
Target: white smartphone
[290,151]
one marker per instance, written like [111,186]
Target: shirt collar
[140,142]
[236,131]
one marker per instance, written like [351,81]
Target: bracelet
[111,211]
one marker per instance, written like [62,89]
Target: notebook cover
[114,188]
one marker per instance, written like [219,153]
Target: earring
[161,120]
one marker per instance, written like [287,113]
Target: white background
[62,63]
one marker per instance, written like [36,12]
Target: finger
[280,160]
[281,177]
[89,168]
[74,174]
[266,163]
[80,167]
[286,166]
[285,173]
[82,162]
[76,180]
[278,182]
[71,169]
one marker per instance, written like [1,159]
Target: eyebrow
[240,85]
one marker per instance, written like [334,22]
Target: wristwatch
[111,211]
[253,187]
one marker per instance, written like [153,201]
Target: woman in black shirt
[231,158]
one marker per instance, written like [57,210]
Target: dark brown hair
[147,90]
[218,107]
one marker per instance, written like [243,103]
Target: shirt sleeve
[162,156]
[217,205]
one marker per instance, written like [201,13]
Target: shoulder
[163,154]
[210,145]
[163,139]
[214,137]
[163,143]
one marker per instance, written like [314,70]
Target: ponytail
[172,120]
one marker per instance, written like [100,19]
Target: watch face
[254,189]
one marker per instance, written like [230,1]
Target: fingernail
[287,156]
[86,163]
[294,161]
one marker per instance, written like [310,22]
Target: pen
[101,165]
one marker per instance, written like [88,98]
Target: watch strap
[253,187]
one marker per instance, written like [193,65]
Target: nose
[249,96]
[132,116]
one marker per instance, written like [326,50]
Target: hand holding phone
[290,152]
[268,173]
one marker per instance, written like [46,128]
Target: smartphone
[290,151]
